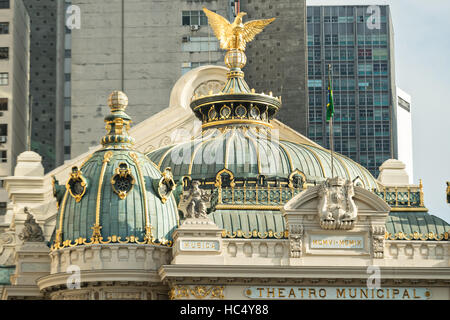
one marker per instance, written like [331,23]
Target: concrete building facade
[46,129]
[67,21]
[14,87]
[358,43]
[140,46]
[278,59]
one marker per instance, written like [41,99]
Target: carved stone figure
[31,232]
[209,86]
[295,240]
[197,199]
[378,234]
[337,209]
[5,239]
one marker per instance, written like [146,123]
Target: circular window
[241,111]
[123,184]
[225,112]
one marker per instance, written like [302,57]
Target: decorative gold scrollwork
[417,236]
[123,181]
[225,112]
[219,180]
[212,113]
[198,292]
[77,184]
[270,234]
[165,185]
[294,176]
[98,239]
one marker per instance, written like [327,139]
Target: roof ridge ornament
[223,108]
[117,123]
[233,37]
[337,209]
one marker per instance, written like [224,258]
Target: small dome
[118,100]
[117,194]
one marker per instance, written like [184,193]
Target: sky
[422,63]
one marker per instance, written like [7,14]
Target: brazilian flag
[330,105]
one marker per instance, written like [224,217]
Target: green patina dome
[416,226]
[251,152]
[117,194]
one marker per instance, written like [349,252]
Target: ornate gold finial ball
[118,100]
[235,59]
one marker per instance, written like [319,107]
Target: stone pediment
[336,218]
[365,200]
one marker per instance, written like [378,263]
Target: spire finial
[118,101]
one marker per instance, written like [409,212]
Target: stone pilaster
[198,241]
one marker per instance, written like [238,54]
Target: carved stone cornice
[237,275]
[55,282]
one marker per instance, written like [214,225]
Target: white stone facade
[202,263]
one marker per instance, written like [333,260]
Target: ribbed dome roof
[117,194]
[250,152]
[416,226]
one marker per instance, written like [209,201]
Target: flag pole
[331,119]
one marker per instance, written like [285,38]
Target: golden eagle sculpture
[235,35]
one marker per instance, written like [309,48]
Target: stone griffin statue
[337,209]
[31,232]
[235,36]
[197,199]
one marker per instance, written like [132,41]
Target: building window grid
[4,78]
[4,4]
[4,53]
[4,27]
[3,104]
[194,17]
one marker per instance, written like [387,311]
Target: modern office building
[358,43]
[141,47]
[404,131]
[46,127]
[14,87]
[278,59]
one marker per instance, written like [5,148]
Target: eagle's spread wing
[252,28]
[220,26]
